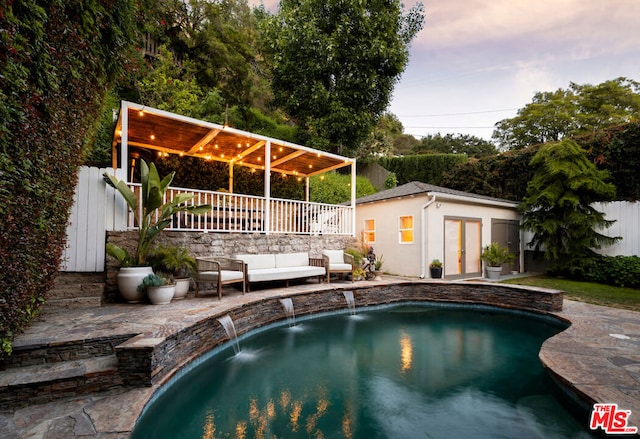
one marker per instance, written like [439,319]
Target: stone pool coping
[162,332]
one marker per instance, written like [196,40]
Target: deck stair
[41,372]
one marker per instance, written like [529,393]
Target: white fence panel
[627,225]
[95,209]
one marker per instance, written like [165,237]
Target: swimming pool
[403,371]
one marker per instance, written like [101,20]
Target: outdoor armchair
[337,261]
[220,271]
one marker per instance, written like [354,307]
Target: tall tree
[552,116]
[335,63]
[558,208]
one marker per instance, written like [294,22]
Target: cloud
[270,5]
[591,26]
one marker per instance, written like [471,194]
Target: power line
[457,114]
[451,128]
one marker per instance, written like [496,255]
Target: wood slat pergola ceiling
[165,132]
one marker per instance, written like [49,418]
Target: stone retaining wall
[148,360]
[224,244]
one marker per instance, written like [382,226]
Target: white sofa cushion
[340,267]
[335,256]
[258,262]
[227,275]
[291,260]
[269,274]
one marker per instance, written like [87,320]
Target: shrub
[620,271]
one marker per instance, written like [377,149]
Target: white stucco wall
[406,259]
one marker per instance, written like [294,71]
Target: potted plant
[176,261]
[435,269]
[494,256]
[151,216]
[160,288]
[377,267]
[358,273]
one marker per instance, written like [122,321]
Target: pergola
[169,133]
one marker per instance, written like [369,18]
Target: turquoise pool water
[401,372]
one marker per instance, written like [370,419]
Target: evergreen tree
[559,210]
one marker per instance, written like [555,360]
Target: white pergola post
[231,177]
[353,198]
[267,187]
[124,139]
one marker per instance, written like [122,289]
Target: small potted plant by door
[160,288]
[178,262]
[435,269]
[494,256]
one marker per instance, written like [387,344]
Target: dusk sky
[477,62]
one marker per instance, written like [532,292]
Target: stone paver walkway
[599,356]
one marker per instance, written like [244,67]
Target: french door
[462,247]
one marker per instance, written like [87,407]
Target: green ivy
[57,59]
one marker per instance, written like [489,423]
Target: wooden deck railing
[252,214]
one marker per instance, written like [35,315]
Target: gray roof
[419,188]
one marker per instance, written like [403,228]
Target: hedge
[427,168]
[620,271]
[57,59]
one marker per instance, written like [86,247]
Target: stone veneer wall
[225,244]
[149,359]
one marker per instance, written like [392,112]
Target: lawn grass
[597,294]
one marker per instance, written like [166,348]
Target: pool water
[402,372]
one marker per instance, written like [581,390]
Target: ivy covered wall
[57,60]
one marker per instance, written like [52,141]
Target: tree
[472,146]
[558,208]
[335,63]
[219,37]
[381,139]
[335,188]
[552,116]
[617,150]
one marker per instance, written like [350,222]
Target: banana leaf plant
[155,215]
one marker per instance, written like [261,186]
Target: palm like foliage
[152,215]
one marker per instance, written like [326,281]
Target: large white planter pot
[161,295]
[182,288]
[494,272]
[128,280]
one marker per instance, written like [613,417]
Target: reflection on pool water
[401,372]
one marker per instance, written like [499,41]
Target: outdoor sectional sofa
[281,266]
